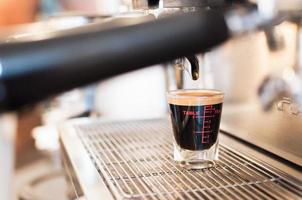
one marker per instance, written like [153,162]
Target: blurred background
[136,95]
[123,97]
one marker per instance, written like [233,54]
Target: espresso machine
[260,127]
[260,152]
[271,93]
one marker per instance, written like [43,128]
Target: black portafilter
[34,70]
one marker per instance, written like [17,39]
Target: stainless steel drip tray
[133,160]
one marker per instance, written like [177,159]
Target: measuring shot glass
[195,117]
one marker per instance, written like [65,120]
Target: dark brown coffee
[195,117]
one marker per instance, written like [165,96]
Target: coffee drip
[193,60]
[194,65]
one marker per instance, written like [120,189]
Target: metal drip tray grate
[135,161]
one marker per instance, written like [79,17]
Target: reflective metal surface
[134,160]
[188,3]
[276,131]
[262,108]
[147,4]
[8,125]
[88,178]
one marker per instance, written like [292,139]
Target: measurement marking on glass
[206,125]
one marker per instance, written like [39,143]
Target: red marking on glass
[206,124]
[217,111]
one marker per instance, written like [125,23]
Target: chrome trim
[91,183]
[7,154]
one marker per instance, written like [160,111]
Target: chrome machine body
[8,125]
[270,117]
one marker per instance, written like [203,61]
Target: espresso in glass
[195,118]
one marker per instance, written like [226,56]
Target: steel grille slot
[135,160]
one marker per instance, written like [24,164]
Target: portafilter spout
[193,60]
